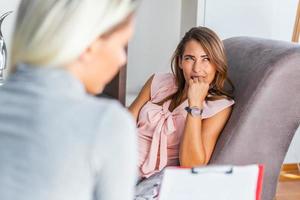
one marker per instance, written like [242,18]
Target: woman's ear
[87,55]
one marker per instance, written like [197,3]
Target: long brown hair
[214,48]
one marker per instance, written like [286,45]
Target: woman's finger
[201,79]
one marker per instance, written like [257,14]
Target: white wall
[293,154]
[156,36]
[272,19]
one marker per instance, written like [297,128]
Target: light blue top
[59,143]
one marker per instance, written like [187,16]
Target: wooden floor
[289,183]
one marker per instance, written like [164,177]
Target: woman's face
[104,58]
[195,63]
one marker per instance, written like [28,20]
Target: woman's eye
[188,58]
[206,59]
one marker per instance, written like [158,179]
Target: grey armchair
[266,75]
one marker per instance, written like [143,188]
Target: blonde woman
[57,141]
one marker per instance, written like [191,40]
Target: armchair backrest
[266,76]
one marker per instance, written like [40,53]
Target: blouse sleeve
[163,85]
[213,107]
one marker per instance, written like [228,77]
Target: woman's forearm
[192,151]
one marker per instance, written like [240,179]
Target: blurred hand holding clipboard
[212,183]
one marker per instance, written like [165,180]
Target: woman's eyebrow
[188,55]
[191,56]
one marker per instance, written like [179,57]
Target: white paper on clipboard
[212,183]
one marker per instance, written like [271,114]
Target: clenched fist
[197,91]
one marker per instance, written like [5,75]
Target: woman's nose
[198,67]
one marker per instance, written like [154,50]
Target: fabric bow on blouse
[161,116]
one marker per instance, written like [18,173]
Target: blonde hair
[54,32]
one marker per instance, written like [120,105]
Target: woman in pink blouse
[181,114]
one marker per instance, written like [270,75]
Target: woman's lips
[193,77]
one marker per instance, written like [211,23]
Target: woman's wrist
[198,104]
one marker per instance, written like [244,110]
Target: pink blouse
[160,131]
